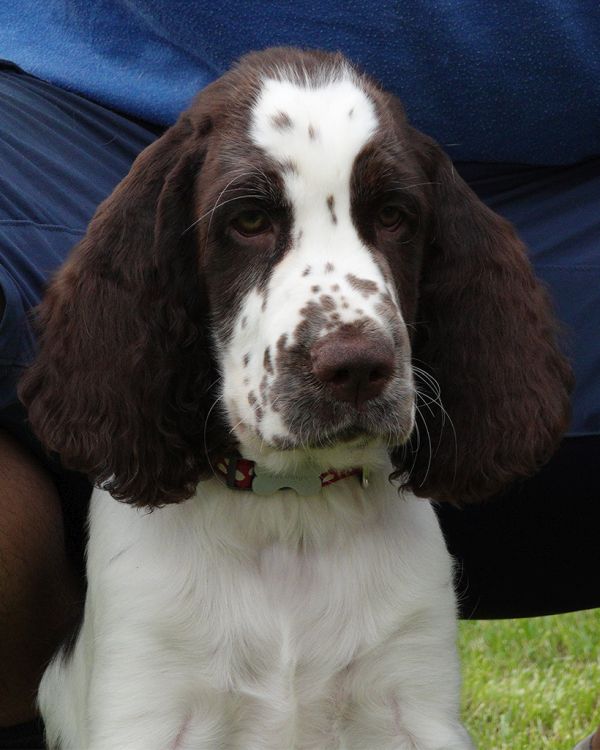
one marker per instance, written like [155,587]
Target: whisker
[220,205]
[206,453]
[435,399]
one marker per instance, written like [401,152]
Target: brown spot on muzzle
[268,365]
[365,286]
[327,303]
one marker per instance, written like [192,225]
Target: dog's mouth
[352,436]
[338,425]
[303,418]
[333,435]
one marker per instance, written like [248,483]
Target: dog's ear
[489,338]
[121,388]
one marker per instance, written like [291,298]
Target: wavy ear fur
[122,385]
[489,338]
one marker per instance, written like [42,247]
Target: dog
[288,329]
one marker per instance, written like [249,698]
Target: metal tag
[268,484]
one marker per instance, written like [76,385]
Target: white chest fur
[231,621]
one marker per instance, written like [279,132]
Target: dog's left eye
[389,216]
[252,222]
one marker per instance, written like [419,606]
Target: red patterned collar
[243,474]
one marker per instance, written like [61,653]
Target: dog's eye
[389,216]
[252,222]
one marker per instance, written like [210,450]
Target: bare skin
[39,592]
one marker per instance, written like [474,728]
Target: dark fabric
[535,550]
[501,80]
[29,736]
[61,156]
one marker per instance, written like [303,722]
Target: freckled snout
[355,367]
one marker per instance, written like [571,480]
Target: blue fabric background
[60,155]
[500,80]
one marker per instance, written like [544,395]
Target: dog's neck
[332,516]
[246,475]
[371,455]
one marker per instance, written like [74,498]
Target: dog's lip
[348,437]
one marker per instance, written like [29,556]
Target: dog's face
[299,236]
[292,269]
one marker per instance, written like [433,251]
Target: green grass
[532,683]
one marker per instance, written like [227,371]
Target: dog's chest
[235,613]
[273,633]
[285,617]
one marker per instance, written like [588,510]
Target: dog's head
[292,270]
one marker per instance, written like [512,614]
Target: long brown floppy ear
[488,337]
[121,388]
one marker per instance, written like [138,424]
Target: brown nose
[354,367]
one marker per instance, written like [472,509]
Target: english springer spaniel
[288,326]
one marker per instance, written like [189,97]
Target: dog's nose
[354,367]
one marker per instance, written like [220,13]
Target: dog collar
[243,474]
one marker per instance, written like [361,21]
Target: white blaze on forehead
[317,130]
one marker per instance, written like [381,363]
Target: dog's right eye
[251,223]
[389,216]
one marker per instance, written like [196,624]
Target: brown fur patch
[365,286]
[290,167]
[263,389]
[331,207]
[282,121]
[327,302]
[313,317]
[267,364]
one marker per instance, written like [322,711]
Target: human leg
[40,592]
